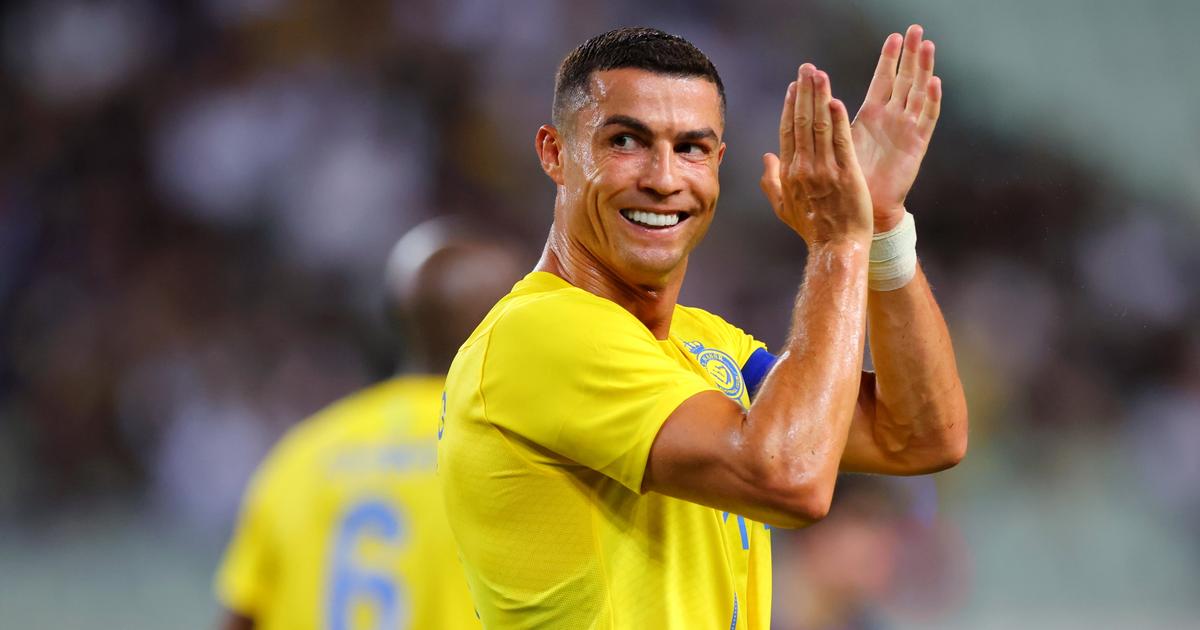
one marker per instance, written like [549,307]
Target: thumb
[770,183]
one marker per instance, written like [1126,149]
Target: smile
[654,220]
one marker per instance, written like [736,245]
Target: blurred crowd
[197,198]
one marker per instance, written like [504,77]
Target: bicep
[701,454]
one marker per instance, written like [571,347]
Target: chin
[652,269]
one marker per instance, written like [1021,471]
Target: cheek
[579,176]
[588,168]
[597,166]
[704,182]
[611,176]
[585,158]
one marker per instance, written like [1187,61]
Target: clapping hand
[815,184]
[893,126]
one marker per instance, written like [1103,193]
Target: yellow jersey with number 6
[343,525]
[551,408]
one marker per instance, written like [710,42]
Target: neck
[652,304]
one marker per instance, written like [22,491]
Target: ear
[721,154]
[549,146]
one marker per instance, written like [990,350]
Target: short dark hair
[630,47]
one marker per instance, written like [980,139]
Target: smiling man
[612,459]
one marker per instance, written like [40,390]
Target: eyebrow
[641,127]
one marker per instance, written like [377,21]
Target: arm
[242,581]
[912,416]
[778,461]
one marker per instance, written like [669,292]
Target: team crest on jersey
[721,367]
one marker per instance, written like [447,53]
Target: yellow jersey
[343,525]
[552,406]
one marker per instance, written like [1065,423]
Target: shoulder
[712,331]
[324,430]
[333,419]
[709,322]
[555,319]
[559,340]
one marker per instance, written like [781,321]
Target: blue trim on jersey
[756,369]
[745,534]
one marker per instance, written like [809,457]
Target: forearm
[800,418]
[919,417]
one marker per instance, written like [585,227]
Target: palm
[893,127]
[889,150]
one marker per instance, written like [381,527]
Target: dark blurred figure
[882,553]
[343,525]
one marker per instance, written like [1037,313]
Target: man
[343,525]
[840,573]
[603,465]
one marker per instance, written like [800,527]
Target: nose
[658,173]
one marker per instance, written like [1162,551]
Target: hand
[815,185]
[896,120]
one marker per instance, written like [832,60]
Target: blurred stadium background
[196,199]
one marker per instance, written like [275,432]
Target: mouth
[653,220]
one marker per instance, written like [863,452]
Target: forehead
[663,102]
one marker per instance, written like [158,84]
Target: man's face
[640,171]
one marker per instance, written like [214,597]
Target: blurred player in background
[342,526]
[841,570]
[884,554]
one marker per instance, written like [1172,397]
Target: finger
[908,64]
[804,114]
[931,109]
[770,183]
[822,125]
[787,123]
[916,96]
[843,142]
[885,71]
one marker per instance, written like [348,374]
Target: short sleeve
[245,573]
[756,368]
[746,346]
[750,353]
[582,377]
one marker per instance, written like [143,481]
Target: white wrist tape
[893,258]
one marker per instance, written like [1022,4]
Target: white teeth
[651,219]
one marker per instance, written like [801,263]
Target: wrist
[845,243]
[893,256]
[840,253]
[887,219]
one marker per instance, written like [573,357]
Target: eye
[692,149]
[624,141]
